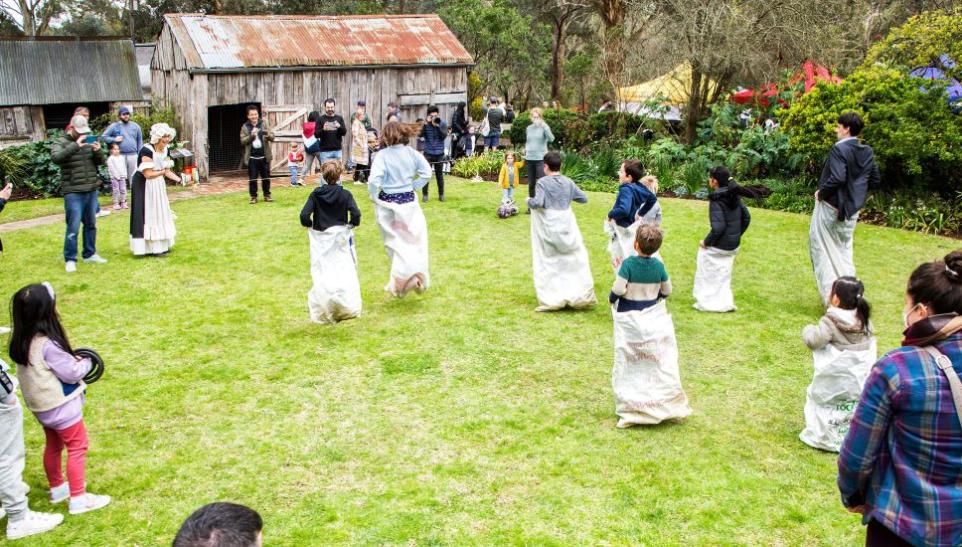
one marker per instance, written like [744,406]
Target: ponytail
[850,293]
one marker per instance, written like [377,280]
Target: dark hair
[721,174]
[220,525]
[34,313]
[850,291]
[313,116]
[648,239]
[634,169]
[553,160]
[853,122]
[433,109]
[937,284]
[113,145]
[330,100]
[254,108]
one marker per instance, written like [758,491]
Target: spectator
[221,525]
[494,116]
[359,151]
[329,131]
[129,136]
[295,159]
[459,131]
[536,139]
[85,112]
[362,110]
[900,466]
[842,189]
[392,111]
[79,161]
[117,169]
[255,136]
[509,114]
[312,147]
[434,131]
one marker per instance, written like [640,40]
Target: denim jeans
[508,193]
[80,207]
[329,155]
[294,172]
[309,164]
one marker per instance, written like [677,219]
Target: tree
[559,15]
[33,17]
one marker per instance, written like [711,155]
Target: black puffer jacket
[78,166]
[329,206]
[729,219]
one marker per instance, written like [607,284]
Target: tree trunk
[695,106]
[558,56]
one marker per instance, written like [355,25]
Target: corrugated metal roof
[237,42]
[145,52]
[67,71]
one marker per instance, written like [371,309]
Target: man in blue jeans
[330,130]
[79,161]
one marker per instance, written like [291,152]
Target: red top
[308,128]
[295,157]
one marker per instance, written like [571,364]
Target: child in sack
[845,324]
[653,214]
[51,379]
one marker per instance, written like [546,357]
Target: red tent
[810,72]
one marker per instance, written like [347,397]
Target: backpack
[485,127]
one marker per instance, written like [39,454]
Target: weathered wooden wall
[191,94]
[19,124]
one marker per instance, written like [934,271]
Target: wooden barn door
[286,123]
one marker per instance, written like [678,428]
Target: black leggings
[535,169]
[878,535]
[259,167]
[436,161]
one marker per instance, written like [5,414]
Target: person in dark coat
[330,205]
[433,133]
[727,214]
[459,128]
[849,172]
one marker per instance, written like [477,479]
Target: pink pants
[75,439]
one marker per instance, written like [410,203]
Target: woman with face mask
[901,463]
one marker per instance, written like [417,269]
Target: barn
[209,68]
[45,78]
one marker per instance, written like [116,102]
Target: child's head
[34,312]
[331,171]
[295,147]
[509,158]
[552,162]
[631,171]
[847,294]
[648,239]
[651,183]
[718,176]
[114,149]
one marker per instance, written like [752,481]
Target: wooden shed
[209,68]
[45,78]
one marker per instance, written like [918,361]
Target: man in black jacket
[459,128]
[849,172]
[330,130]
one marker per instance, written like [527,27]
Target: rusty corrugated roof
[212,42]
[67,70]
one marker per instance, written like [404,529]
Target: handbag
[955,385]
[485,127]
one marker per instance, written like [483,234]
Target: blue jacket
[633,199]
[434,136]
[132,134]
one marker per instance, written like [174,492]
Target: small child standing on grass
[117,169]
[51,379]
[509,176]
[653,215]
[295,159]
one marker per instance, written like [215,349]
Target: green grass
[26,209]
[461,417]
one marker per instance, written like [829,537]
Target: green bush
[921,41]
[558,120]
[36,173]
[486,165]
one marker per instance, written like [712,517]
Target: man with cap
[79,161]
[129,137]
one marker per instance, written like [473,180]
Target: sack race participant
[397,172]
[844,350]
[645,376]
[849,172]
[633,202]
[729,219]
[332,214]
[562,273]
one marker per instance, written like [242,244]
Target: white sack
[562,274]
[713,280]
[833,394]
[621,242]
[645,376]
[405,234]
[830,246]
[336,294]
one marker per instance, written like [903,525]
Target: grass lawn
[460,417]
[25,209]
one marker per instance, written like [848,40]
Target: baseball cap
[362,102]
[124,110]
[80,125]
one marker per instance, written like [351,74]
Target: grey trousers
[12,461]
[131,160]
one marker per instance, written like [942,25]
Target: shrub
[37,173]
[558,120]
[921,41]
[486,165]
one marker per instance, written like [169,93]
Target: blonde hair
[393,133]
[506,154]
[650,182]
[331,171]
[537,111]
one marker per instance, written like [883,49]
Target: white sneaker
[95,259]
[60,493]
[87,502]
[71,266]
[33,523]
[103,213]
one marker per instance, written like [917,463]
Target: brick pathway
[215,186]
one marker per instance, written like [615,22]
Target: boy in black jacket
[330,205]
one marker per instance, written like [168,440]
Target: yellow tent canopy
[674,85]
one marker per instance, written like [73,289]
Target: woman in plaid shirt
[901,463]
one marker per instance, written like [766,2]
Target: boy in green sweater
[642,280]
